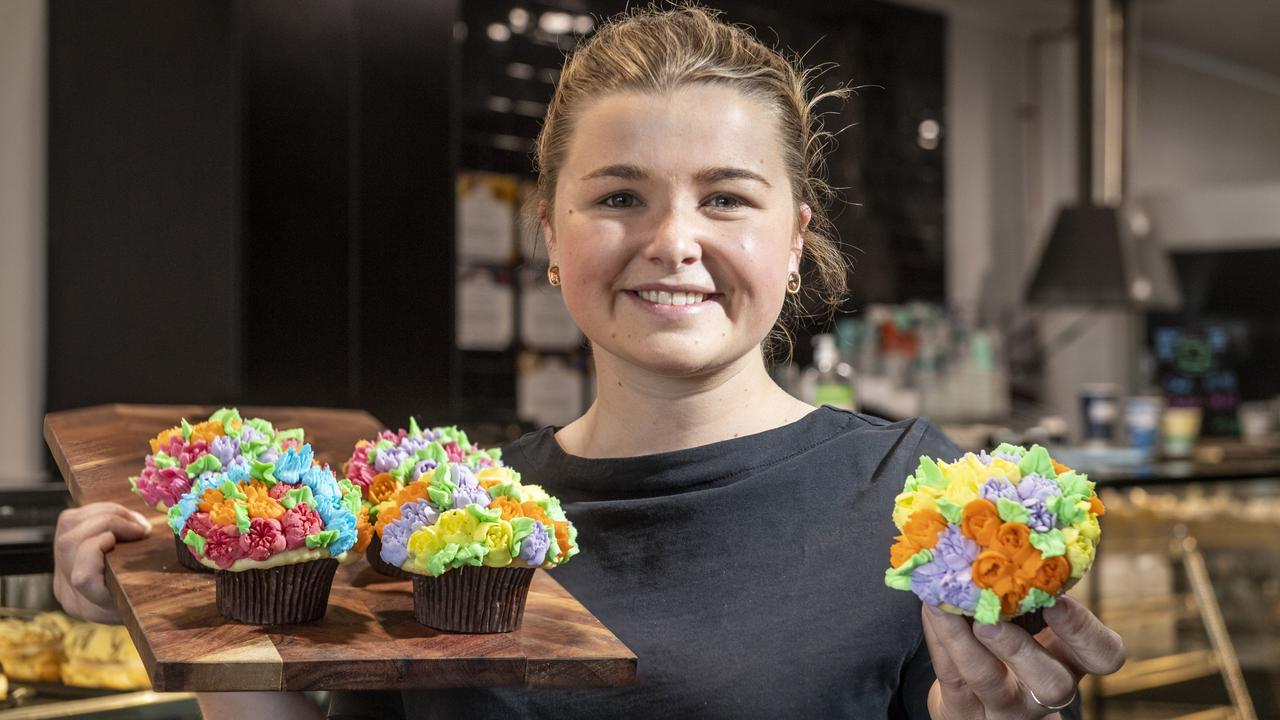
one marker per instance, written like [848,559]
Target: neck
[638,412]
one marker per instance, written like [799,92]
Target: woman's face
[674,227]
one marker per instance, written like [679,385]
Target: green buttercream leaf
[133,483]
[471,554]
[404,470]
[1074,483]
[382,445]
[1010,449]
[951,511]
[261,426]
[442,559]
[929,474]
[494,453]
[1037,461]
[520,529]
[414,430]
[573,542]
[321,539]
[242,519]
[441,498]
[511,490]
[298,495]
[899,578]
[483,514]
[193,540]
[175,517]
[231,491]
[1067,508]
[186,430]
[462,440]
[291,434]
[988,610]
[1050,544]
[1036,599]
[552,507]
[206,463]
[435,451]
[1011,511]
[350,496]
[264,472]
[164,461]
[228,417]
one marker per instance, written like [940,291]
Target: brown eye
[619,201]
[725,202]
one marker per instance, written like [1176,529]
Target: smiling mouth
[661,297]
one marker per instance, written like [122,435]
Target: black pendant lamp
[1101,252]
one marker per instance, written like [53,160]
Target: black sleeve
[366,705]
[912,701]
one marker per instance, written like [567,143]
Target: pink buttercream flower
[222,545]
[199,523]
[278,490]
[454,452]
[173,448]
[191,453]
[264,539]
[162,485]
[358,468]
[299,522]
[293,443]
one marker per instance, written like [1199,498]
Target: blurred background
[1063,218]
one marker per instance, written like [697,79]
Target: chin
[678,356]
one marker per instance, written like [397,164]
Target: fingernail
[142,520]
[988,632]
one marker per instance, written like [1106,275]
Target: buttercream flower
[496,536]
[221,510]
[1009,601]
[413,492]
[456,526]
[964,478]
[980,521]
[1089,528]
[299,522]
[198,523]
[1096,507]
[424,543]
[992,569]
[418,514]
[225,448]
[1051,575]
[364,531]
[259,503]
[454,452]
[900,552]
[1080,551]
[923,527]
[388,512]
[563,540]
[1002,468]
[222,546]
[383,487]
[467,489]
[264,539]
[422,468]
[533,510]
[206,431]
[534,493]
[489,477]
[997,488]
[908,502]
[948,577]
[162,485]
[164,438]
[1014,540]
[533,547]
[509,508]
[388,460]
[1033,492]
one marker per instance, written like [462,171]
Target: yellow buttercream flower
[1089,529]
[1003,468]
[908,502]
[491,476]
[456,526]
[424,543]
[497,537]
[534,493]
[964,478]
[1080,551]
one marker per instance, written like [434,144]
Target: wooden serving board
[368,638]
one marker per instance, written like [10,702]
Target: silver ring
[1054,708]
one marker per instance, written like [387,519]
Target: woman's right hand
[83,537]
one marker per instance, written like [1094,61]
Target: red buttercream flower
[199,523]
[222,545]
[264,539]
[299,522]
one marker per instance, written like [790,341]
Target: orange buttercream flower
[1014,540]
[206,431]
[923,527]
[533,510]
[1009,601]
[386,515]
[1095,505]
[509,508]
[364,531]
[1051,575]
[412,492]
[383,487]
[992,569]
[980,521]
[562,535]
[162,440]
[1059,468]
[901,552]
[209,498]
[260,504]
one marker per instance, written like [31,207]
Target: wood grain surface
[368,638]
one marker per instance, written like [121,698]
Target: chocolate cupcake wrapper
[472,599]
[281,595]
[186,559]
[374,554]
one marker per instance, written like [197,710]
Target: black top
[746,575]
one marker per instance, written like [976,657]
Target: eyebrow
[706,175]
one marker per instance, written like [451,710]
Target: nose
[675,241]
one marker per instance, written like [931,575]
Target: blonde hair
[656,50]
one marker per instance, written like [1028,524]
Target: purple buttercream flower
[422,468]
[418,514]
[984,458]
[948,578]
[468,488]
[411,445]
[248,434]
[996,488]
[395,543]
[533,548]
[225,448]
[388,460]
[1009,457]
[269,456]
[1033,491]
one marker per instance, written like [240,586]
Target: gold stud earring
[793,282]
[553,275]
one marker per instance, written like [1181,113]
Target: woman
[734,537]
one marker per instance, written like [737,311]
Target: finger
[1034,667]
[120,524]
[952,692]
[86,580]
[1091,646]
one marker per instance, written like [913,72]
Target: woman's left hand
[1000,671]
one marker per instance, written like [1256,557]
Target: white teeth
[661,297]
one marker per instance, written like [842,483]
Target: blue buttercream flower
[292,463]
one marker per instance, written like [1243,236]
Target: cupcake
[471,543]
[182,453]
[274,533]
[384,468]
[994,536]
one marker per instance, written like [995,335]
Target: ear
[548,236]
[797,242]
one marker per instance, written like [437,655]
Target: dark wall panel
[142,204]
